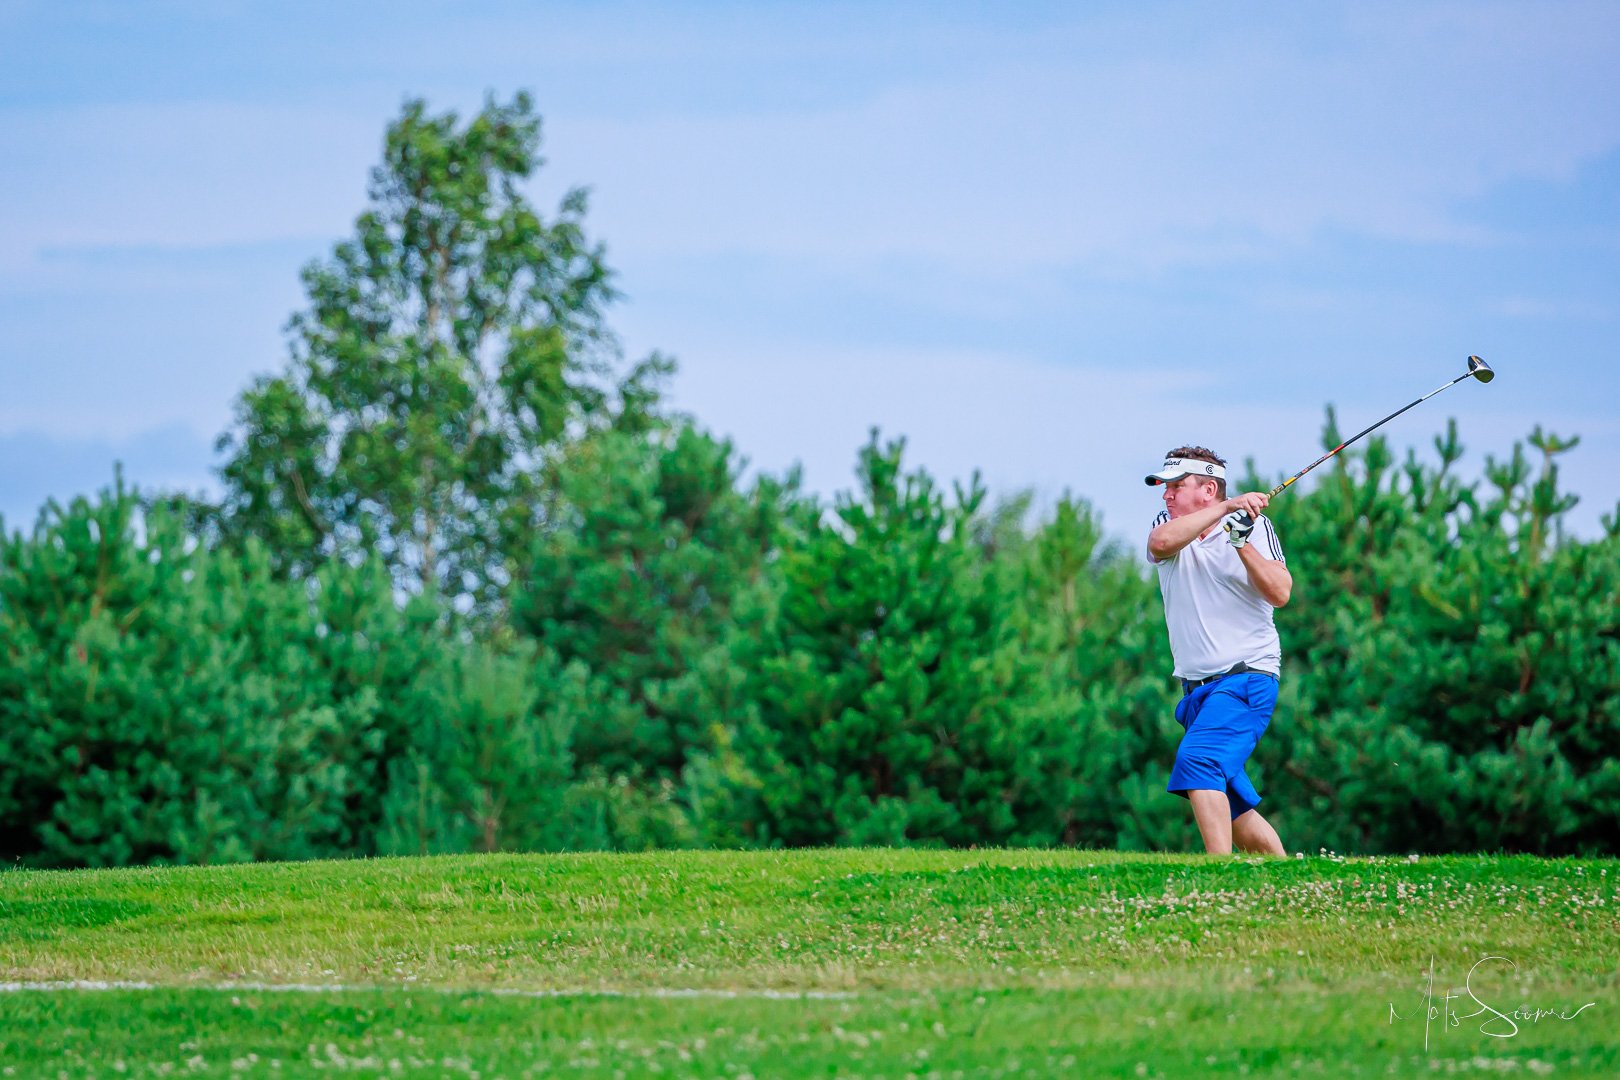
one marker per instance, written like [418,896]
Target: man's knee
[1251,832]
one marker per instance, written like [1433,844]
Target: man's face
[1189,495]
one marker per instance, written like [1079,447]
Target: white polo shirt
[1216,617]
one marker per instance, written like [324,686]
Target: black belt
[1189,685]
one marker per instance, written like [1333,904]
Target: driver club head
[1480,370]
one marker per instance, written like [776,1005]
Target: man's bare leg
[1254,833]
[1213,812]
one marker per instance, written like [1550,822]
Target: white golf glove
[1238,528]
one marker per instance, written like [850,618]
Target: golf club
[1477,369]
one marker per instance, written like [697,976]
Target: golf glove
[1238,528]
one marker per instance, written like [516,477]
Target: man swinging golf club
[1220,587]
[1219,593]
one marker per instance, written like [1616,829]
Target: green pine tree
[1460,660]
[635,584]
[887,699]
[170,703]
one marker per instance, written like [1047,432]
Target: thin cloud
[1141,161]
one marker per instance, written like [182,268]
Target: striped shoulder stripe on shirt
[1164,516]
[1272,541]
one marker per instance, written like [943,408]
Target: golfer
[1220,587]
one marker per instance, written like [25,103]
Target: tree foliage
[653,542]
[449,347]
[887,701]
[695,662]
[1456,660]
[167,703]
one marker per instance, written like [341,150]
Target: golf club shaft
[1274,492]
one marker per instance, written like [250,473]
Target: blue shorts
[1224,721]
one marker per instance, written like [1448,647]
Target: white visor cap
[1175,468]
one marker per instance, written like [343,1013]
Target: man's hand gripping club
[1241,525]
[1239,528]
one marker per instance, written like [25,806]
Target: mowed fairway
[820,963]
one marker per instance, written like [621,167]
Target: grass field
[823,963]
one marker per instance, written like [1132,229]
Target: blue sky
[1044,241]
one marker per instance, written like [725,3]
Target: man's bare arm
[1269,576]
[1177,533]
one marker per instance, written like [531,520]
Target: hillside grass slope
[816,963]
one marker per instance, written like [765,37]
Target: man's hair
[1202,453]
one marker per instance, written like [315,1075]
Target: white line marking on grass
[497,991]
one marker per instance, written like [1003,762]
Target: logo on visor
[1210,469]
